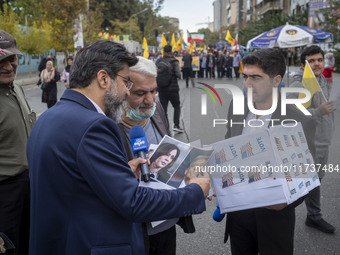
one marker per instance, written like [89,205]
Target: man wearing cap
[16,122]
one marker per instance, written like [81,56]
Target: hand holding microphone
[134,165]
[140,147]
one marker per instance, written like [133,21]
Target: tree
[332,24]
[210,38]
[115,10]
[271,20]
[331,21]
[32,42]
[92,25]
[29,39]
[61,14]
[9,21]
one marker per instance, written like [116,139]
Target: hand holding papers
[173,163]
[173,166]
[204,183]
[268,168]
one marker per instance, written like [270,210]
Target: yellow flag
[240,69]
[145,48]
[309,82]
[173,42]
[205,47]
[179,43]
[145,44]
[228,38]
[164,42]
[194,45]
[191,48]
[106,36]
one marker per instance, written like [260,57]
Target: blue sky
[189,13]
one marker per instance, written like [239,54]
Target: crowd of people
[218,62]
[75,188]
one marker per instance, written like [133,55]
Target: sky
[189,13]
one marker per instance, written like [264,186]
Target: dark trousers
[261,231]
[50,103]
[163,243]
[201,72]
[313,198]
[208,72]
[15,212]
[220,72]
[187,73]
[173,97]
[236,69]
[229,72]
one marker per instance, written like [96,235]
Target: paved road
[208,238]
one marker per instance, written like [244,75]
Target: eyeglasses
[127,81]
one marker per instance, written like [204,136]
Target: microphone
[218,216]
[139,147]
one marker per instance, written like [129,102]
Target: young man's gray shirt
[324,123]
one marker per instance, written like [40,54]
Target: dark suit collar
[75,96]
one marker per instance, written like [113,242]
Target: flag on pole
[197,37]
[189,39]
[145,48]
[179,43]
[228,38]
[106,36]
[236,41]
[164,42]
[191,48]
[309,82]
[173,42]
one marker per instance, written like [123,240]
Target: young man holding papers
[267,230]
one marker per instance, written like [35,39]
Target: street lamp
[144,10]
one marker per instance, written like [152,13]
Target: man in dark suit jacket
[142,108]
[85,196]
[268,230]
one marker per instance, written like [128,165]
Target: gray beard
[113,104]
[146,114]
